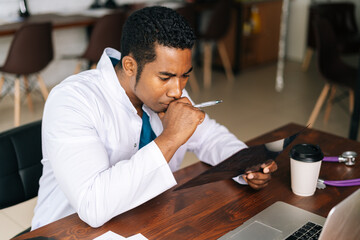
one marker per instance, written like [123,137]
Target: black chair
[21,169]
[217,28]
[334,71]
[30,52]
[341,16]
[106,33]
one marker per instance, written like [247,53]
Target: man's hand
[179,123]
[258,180]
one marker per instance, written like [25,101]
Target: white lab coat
[91,161]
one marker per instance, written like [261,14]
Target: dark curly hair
[151,25]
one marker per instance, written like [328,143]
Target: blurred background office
[251,105]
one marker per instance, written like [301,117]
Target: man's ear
[129,65]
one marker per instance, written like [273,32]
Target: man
[112,136]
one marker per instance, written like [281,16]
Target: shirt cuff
[159,157]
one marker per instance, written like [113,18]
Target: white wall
[10,7]
[297,28]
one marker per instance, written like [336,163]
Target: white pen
[207,104]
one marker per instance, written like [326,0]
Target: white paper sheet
[114,236]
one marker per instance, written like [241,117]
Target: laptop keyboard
[308,231]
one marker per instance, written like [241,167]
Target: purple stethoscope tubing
[343,183]
[349,159]
[331,159]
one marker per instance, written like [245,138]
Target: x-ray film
[247,159]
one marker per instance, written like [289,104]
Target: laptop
[285,221]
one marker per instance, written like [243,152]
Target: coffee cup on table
[305,163]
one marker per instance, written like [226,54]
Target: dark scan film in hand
[247,159]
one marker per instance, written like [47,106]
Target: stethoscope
[348,158]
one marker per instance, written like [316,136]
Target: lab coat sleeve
[95,189]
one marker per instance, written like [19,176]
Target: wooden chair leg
[207,64]
[93,66]
[28,95]
[307,59]
[17,102]
[226,61]
[351,100]
[329,104]
[78,67]
[2,80]
[43,88]
[318,105]
[193,82]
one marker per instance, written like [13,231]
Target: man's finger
[258,176]
[257,186]
[183,100]
[269,168]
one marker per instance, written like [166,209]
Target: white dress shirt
[92,164]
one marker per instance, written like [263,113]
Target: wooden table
[57,20]
[211,210]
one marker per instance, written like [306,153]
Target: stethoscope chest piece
[348,158]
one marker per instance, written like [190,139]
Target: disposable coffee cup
[305,163]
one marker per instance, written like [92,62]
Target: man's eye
[164,78]
[186,75]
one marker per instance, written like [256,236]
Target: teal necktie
[147,134]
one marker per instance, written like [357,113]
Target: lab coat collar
[110,81]
[112,85]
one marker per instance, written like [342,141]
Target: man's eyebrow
[188,71]
[167,74]
[173,75]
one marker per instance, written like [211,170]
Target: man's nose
[175,90]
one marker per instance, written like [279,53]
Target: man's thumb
[161,115]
